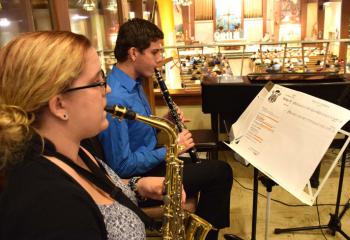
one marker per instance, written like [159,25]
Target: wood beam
[28,14]
[320,19]
[242,15]
[214,15]
[192,17]
[277,19]
[303,18]
[137,6]
[122,11]
[186,23]
[60,15]
[344,27]
[264,15]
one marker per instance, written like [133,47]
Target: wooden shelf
[180,96]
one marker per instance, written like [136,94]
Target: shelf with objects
[297,57]
[195,61]
[235,62]
[239,61]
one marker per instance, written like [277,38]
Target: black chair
[2,181]
[206,141]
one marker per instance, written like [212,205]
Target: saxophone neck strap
[98,176]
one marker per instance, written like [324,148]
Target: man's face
[147,61]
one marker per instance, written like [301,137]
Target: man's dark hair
[138,33]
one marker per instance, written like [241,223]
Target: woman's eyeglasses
[102,84]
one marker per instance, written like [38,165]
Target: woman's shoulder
[43,197]
[34,169]
[36,177]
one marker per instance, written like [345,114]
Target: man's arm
[119,156]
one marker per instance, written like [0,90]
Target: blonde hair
[34,67]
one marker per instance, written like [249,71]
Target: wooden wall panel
[344,28]
[60,15]
[303,18]
[253,8]
[320,19]
[203,10]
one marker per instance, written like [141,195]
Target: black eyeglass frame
[98,84]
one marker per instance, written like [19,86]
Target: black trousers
[213,179]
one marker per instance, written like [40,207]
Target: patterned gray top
[121,222]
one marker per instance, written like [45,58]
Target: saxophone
[177,223]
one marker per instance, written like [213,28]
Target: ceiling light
[112,5]
[88,5]
[4,22]
[77,17]
[183,2]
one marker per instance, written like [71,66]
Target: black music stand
[334,224]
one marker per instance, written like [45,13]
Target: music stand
[334,223]
[256,171]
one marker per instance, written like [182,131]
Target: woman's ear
[57,107]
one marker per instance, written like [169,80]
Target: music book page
[285,133]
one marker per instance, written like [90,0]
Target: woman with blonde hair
[52,96]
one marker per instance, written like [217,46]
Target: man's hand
[179,113]
[185,141]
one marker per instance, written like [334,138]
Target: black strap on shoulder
[98,177]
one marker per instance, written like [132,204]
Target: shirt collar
[125,80]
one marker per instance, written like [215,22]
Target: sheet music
[285,133]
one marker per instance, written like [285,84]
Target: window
[23,16]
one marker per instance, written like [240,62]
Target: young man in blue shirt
[130,147]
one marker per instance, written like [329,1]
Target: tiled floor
[282,216]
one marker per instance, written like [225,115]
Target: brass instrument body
[177,224]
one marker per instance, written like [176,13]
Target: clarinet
[173,111]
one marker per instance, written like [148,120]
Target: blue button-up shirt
[129,146]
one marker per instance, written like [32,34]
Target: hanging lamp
[88,5]
[112,5]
